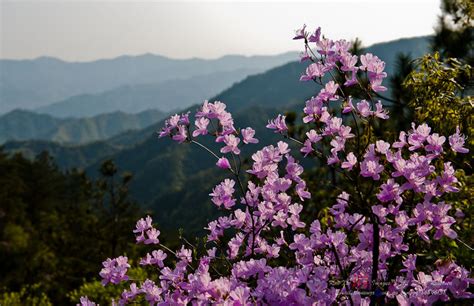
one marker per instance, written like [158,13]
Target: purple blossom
[130,295]
[348,62]
[304,56]
[363,107]
[235,244]
[231,144]
[370,167]
[351,161]
[314,110]
[223,163]
[409,264]
[181,135]
[307,147]
[348,106]
[201,126]
[315,70]
[402,141]
[114,270]
[155,258]
[152,236]
[376,83]
[313,136]
[380,112]
[142,226]
[329,91]
[222,194]
[315,37]
[390,191]
[300,33]
[435,143]
[278,124]
[382,147]
[84,301]
[456,141]
[152,292]
[325,46]
[418,135]
[248,135]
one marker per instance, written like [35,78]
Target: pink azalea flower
[351,161]
[370,167]
[348,106]
[313,136]
[84,301]
[380,112]
[315,37]
[435,143]
[248,134]
[114,270]
[325,46]
[231,144]
[315,70]
[278,124]
[222,194]
[152,235]
[223,163]
[456,141]
[390,191]
[201,126]
[363,107]
[300,33]
[307,147]
[182,134]
[329,91]
[382,147]
[348,62]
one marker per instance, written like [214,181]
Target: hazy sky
[87,30]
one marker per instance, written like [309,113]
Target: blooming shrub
[262,252]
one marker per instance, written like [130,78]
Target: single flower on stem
[223,163]
[248,135]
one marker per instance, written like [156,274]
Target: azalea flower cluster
[210,116]
[260,251]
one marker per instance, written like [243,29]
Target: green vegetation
[57,227]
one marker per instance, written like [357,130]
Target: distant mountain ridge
[34,83]
[167,96]
[25,125]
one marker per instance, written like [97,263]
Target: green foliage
[117,212]
[66,157]
[438,94]
[28,295]
[455,31]
[400,96]
[53,232]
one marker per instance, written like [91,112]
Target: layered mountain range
[33,84]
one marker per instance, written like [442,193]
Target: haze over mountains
[31,84]
[169,178]
[166,96]
[25,125]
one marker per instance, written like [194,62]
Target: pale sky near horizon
[86,30]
